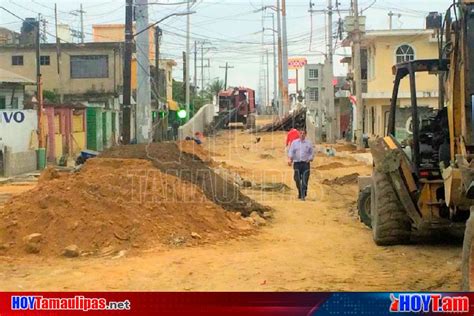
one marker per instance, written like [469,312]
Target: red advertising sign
[297,63]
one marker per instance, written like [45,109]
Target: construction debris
[297,120]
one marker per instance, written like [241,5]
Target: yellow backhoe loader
[424,182]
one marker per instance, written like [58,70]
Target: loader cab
[419,130]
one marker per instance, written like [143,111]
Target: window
[17,60]
[89,66]
[313,94]
[405,53]
[371,65]
[313,74]
[45,60]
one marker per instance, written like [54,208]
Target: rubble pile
[297,120]
[112,206]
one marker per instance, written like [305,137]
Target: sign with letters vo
[12,117]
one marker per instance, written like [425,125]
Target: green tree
[50,96]
[178,92]
[215,87]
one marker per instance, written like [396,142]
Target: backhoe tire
[390,222]
[467,266]
[363,206]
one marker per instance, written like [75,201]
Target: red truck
[236,105]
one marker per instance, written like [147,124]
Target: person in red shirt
[292,135]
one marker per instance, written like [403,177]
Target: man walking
[301,154]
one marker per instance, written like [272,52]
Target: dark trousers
[301,176]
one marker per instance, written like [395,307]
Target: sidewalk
[26,177]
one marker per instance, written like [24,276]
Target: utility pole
[358,76]
[328,76]
[44,24]
[81,12]
[280,62]
[39,83]
[188,49]
[158,33]
[332,124]
[202,66]
[127,73]
[195,67]
[184,71]
[58,54]
[202,44]
[275,67]
[268,81]
[143,108]
[262,93]
[284,58]
[226,67]
[390,19]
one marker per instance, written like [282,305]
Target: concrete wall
[18,163]
[18,141]
[198,123]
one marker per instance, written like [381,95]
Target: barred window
[45,60]
[90,66]
[17,60]
[313,74]
[313,94]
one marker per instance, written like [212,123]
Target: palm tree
[215,87]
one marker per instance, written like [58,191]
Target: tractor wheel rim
[367,206]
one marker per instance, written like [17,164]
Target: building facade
[103,33]
[381,50]
[78,72]
[314,79]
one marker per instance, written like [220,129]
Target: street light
[166,17]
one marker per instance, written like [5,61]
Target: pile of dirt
[348,179]
[168,158]
[190,147]
[345,147]
[112,205]
[49,174]
[330,166]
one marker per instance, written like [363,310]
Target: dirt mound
[49,174]
[113,205]
[348,179]
[168,158]
[190,147]
[330,166]
[345,147]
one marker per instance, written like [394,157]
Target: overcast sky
[232,27]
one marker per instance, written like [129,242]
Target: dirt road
[317,245]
